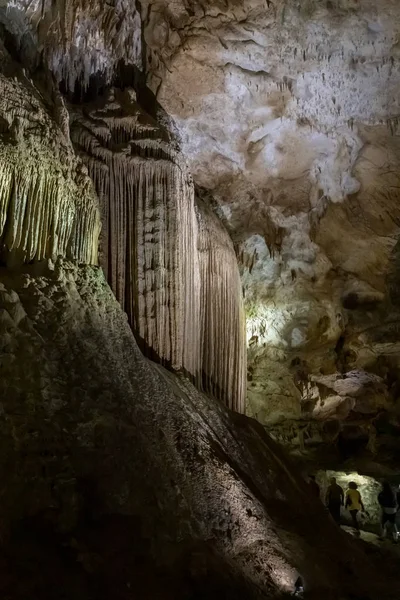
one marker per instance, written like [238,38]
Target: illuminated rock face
[47,204]
[76,38]
[168,259]
[288,115]
[109,461]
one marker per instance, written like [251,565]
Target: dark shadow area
[126,76]
[109,558]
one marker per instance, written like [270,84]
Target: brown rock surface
[118,476]
[121,479]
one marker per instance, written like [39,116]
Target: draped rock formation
[288,112]
[149,244]
[172,267]
[47,204]
[222,323]
[75,38]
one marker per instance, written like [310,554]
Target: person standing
[334,499]
[354,503]
[388,502]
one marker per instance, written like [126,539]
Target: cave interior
[199,299]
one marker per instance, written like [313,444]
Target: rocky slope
[121,479]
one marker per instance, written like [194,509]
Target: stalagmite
[47,204]
[182,295]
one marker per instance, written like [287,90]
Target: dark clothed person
[388,502]
[334,499]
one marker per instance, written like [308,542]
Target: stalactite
[79,38]
[180,287]
[48,207]
[148,247]
[223,341]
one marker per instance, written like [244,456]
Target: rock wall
[288,115]
[171,265]
[74,38]
[118,478]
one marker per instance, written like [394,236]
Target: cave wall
[169,261]
[288,115]
[119,478]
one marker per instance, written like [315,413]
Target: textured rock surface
[120,479]
[133,478]
[288,115]
[47,204]
[168,259]
[76,38]
[222,320]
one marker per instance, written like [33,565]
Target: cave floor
[372,538]
[384,552]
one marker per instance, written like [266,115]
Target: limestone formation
[222,323]
[288,115]
[47,204]
[275,177]
[76,38]
[170,262]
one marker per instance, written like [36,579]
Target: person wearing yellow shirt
[354,503]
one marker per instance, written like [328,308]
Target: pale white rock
[168,258]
